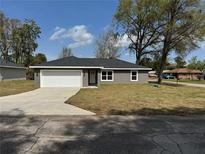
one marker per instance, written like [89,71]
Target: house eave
[3,66]
[71,67]
[148,69]
[87,67]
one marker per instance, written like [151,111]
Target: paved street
[102,135]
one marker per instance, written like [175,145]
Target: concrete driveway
[43,101]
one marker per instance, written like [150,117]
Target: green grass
[15,87]
[141,99]
[187,81]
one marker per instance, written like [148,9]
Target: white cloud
[78,34]
[123,41]
[59,32]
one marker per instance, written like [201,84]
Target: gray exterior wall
[123,76]
[12,73]
[37,78]
[120,76]
[85,78]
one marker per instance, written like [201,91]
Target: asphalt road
[102,135]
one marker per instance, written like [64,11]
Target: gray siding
[123,76]
[37,78]
[85,78]
[120,76]
[143,76]
[12,73]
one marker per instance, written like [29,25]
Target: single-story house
[11,71]
[185,73]
[84,72]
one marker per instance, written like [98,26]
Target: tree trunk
[138,58]
[5,56]
[162,64]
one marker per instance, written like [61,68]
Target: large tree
[180,62]
[138,20]
[30,33]
[65,52]
[18,40]
[184,27]
[6,27]
[197,64]
[153,61]
[39,58]
[107,45]
[4,36]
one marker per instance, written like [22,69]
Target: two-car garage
[61,78]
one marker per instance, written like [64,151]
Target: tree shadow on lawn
[15,132]
[179,111]
[119,135]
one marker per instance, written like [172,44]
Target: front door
[92,77]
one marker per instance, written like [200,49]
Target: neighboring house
[152,74]
[11,71]
[84,72]
[204,75]
[185,73]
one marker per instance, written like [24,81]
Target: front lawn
[141,99]
[187,81]
[15,87]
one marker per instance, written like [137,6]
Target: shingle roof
[184,70]
[3,63]
[90,62]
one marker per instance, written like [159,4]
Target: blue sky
[70,23]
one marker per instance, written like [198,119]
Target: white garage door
[61,78]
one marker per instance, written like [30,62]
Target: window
[104,75]
[107,76]
[134,75]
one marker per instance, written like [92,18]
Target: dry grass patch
[15,87]
[142,99]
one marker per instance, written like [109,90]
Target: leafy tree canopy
[197,64]
[18,40]
[39,58]
[107,46]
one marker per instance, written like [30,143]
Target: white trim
[80,67]
[81,78]
[13,67]
[12,79]
[107,75]
[127,68]
[62,70]
[40,78]
[137,75]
